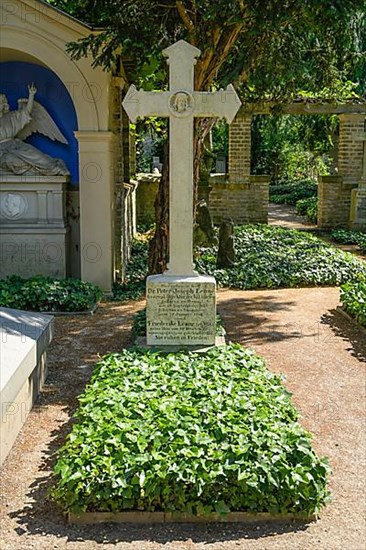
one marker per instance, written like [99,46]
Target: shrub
[353,298]
[345,236]
[309,208]
[133,286]
[188,432]
[291,192]
[41,293]
[270,257]
[267,257]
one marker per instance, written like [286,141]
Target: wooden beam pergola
[304,107]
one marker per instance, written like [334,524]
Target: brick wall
[239,148]
[350,147]
[334,194]
[245,202]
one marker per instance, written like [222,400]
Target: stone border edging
[351,319]
[92,518]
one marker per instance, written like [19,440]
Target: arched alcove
[53,95]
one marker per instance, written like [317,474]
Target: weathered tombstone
[358,198]
[156,165]
[181,305]
[226,253]
[204,233]
[220,167]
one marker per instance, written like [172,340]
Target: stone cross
[181,104]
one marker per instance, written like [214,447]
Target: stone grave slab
[24,338]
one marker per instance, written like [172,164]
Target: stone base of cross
[181,305]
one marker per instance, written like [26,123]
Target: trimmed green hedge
[41,293]
[188,432]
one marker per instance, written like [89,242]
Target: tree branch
[185,18]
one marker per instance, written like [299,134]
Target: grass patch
[41,293]
[353,298]
[190,433]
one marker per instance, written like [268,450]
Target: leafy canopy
[266,47]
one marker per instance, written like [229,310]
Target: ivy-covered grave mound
[190,433]
[266,257]
[48,294]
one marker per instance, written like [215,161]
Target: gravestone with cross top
[181,305]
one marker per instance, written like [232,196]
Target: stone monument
[33,230]
[358,197]
[181,305]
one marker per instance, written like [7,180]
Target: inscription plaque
[181,310]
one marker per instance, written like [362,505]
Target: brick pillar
[240,149]
[350,149]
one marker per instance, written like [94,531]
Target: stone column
[240,149]
[96,167]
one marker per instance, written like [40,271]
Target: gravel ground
[300,334]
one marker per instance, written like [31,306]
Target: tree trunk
[159,244]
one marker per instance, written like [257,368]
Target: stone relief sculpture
[18,157]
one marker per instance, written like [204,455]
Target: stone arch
[56,59]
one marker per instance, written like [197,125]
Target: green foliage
[353,298]
[270,257]
[345,236]
[293,191]
[309,208]
[220,138]
[292,147]
[41,293]
[270,48]
[188,432]
[267,257]
[133,285]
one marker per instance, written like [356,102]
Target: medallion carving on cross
[181,104]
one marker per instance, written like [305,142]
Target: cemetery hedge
[190,433]
[267,257]
[47,294]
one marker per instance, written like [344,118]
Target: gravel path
[300,334]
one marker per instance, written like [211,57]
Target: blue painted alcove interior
[54,96]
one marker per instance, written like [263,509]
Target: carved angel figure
[18,157]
